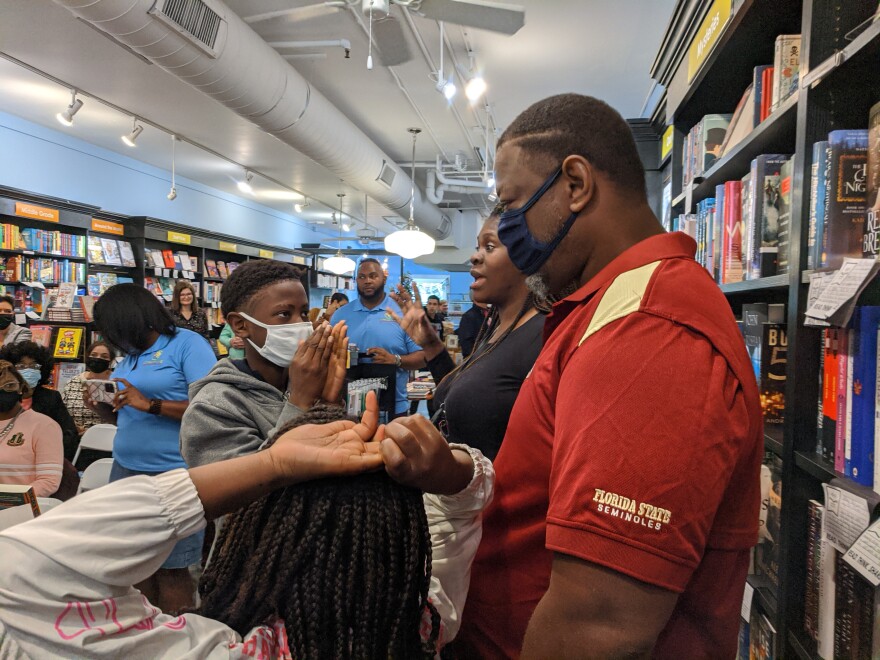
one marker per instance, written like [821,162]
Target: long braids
[344,562]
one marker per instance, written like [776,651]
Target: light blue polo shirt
[375,327]
[151,443]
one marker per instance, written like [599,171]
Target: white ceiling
[598,47]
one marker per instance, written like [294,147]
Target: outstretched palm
[414,320]
[339,448]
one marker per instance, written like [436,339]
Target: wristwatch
[397,360]
[155,407]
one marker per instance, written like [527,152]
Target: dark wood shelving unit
[840,83]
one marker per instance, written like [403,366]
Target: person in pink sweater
[31,450]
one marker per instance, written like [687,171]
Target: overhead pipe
[434,193]
[247,76]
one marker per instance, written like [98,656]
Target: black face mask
[5,321]
[8,400]
[97,365]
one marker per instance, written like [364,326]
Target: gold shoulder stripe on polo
[622,298]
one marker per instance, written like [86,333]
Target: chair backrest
[96,475]
[99,436]
[47,503]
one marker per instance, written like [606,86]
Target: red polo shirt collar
[662,246]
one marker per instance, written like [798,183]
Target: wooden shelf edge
[41,255]
[774,282]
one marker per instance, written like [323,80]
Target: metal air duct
[207,45]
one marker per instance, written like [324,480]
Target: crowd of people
[586,483]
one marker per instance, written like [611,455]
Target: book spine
[732,233]
[877,418]
[846,207]
[840,427]
[777,68]
[847,440]
[719,232]
[866,323]
[871,244]
[785,176]
[811,590]
[814,187]
[817,201]
[820,445]
[844,606]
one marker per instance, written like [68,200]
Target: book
[110,248]
[755,316]
[194,264]
[42,334]
[713,129]
[767,95]
[830,374]
[844,402]
[157,260]
[107,280]
[742,652]
[815,512]
[856,606]
[871,237]
[827,592]
[866,323]
[222,270]
[741,122]
[747,220]
[96,252]
[231,266]
[168,258]
[762,637]
[65,372]
[818,185]
[211,268]
[732,266]
[87,304]
[767,550]
[67,343]
[760,91]
[127,254]
[93,285]
[718,233]
[785,185]
[786,66]
[66,295]
[771,381]
[13,495]
[763,234]
[845,197]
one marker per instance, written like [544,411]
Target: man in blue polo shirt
[370,325]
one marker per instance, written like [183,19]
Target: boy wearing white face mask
[287,367]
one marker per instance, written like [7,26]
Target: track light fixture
[445,86]
[172,194]
[66,116]
[475,88]
[299,206]
[136,130]
[245,184]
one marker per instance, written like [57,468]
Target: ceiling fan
[389,36]
[364,236]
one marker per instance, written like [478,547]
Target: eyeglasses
[21,366]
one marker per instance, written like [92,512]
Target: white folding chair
[99,436]
[96,475]
[47,503]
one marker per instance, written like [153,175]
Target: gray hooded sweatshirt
[230,413]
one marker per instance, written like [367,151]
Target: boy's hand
[336,369]
[417,455]
[309,367]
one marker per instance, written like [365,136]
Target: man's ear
[580,182]
[238,324]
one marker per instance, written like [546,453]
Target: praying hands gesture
[318,367]
[415,322]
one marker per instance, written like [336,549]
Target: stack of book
[110,252]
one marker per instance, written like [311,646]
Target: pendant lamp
[339,264]
[410,242]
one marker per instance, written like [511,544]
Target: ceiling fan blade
[304,13]
[483,14]
[391,41]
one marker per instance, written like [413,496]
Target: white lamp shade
[409,243]
[339,264]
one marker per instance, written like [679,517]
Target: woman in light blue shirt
[160,362]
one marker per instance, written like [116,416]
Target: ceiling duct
[245,74]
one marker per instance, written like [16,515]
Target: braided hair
[344,562]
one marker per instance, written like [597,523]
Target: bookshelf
[839,82]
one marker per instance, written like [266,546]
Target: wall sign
[666,145]
[228,247]
[267,254]
[35,212]
[177,237]
[707,36]
[107,227]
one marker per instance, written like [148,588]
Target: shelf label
[35,212]
[710,29]
[666,145]
[267,254]
[107,227]
[846,516]
[228,247]
[300,260]
[864,555]
[177,237]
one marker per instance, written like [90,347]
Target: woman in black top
[472,402]
[185,309]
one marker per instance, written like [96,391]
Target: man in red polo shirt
[627,490]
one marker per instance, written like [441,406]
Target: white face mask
[281,340]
